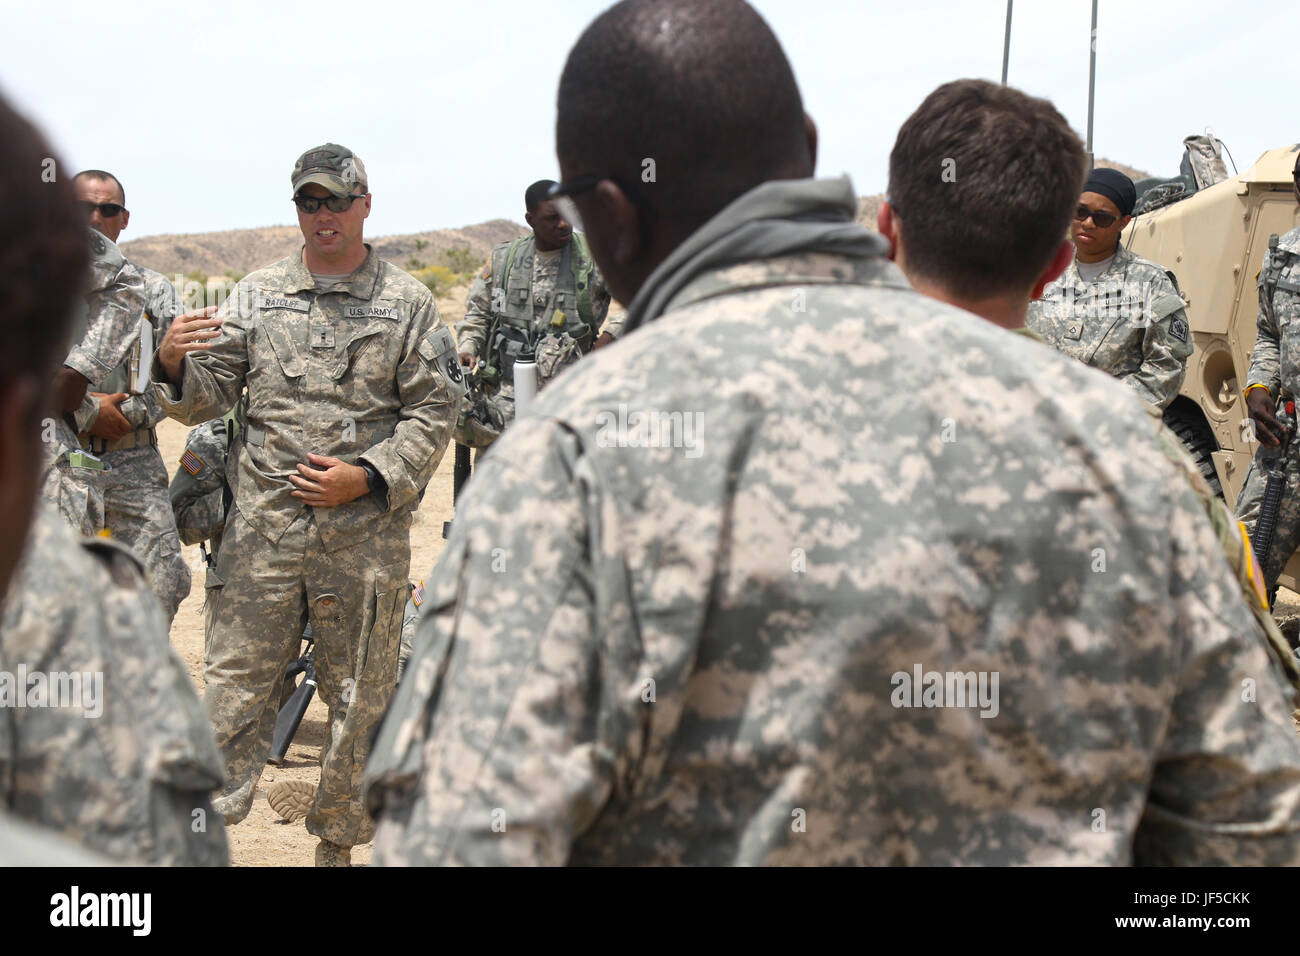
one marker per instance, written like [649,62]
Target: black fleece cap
[1115,186]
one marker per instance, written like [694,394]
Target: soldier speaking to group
[350,407]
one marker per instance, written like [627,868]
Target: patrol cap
[335,167]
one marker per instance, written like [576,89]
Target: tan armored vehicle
[1211,231]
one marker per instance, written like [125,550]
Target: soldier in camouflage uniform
[103,332]
[1112,309]
[643,645]
[198,499]
[353,389]
[101,736]
[130,770]
[943,256]
[1275,377]
[543,290]
[136,508]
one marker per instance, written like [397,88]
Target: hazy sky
[201,108]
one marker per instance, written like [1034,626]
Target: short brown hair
[984,180]
[44,252]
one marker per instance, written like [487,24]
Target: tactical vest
[572,291]
[1279,257]
[568,313]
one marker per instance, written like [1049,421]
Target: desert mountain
[240,251]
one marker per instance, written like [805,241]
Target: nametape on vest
[370,312]
[281,302]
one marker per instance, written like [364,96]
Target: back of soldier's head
[687,104]
[43,258]
[984,179]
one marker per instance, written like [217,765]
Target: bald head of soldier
[983,183]
[669,110]
[43,256]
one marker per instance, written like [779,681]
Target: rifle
[291,714]
[1274,460]
[458,479]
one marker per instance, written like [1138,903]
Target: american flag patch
[417,594]
[191,462]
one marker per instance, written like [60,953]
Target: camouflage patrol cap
[335,167]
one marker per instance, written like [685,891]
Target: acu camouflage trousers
[260,596]
[138,512]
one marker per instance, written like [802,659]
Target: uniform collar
[359,285]
[1119,260]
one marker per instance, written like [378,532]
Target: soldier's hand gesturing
[1267,428]
[189,332]
[332,482]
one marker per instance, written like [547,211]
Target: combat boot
[332,854]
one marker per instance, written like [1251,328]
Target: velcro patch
[438,347]
[321,336]
[1178,329]
[370,311]
[192,462]
[417,594]
[281,302]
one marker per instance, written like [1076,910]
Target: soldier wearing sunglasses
[1113,309]
[137,510]
[353,388]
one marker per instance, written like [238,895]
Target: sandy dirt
[263,839]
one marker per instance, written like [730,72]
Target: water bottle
[525,374]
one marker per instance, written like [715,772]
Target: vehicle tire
[1197,438]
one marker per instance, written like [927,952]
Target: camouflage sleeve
[85,415]
[1166,345]
[520,706]
[127,782]
[115,304]
[1234,541]
[1266,362]
[142,410]
[472,330]
[1226,783]
[409,616]
[212,379]
[200,475]
[430,404]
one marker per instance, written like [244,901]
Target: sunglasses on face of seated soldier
[1102,220]
[106,209]
[310,204]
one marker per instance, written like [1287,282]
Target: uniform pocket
[377,655]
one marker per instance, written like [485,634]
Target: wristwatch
[374,480]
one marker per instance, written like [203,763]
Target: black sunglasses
[106,209]
[1102,220]
[310,204]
